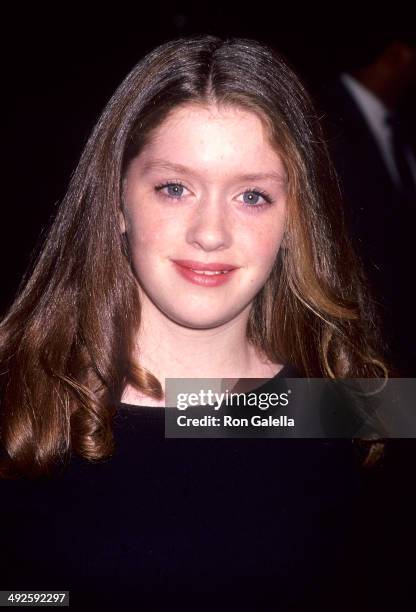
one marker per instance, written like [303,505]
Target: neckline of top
[287,371]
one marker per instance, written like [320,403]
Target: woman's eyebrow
[161,164]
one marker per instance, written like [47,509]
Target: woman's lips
[216,273]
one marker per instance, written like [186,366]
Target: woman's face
[205,210]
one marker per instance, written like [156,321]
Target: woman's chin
[199,321]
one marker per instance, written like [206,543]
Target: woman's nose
[209,227]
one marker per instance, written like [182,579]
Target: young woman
[201,236]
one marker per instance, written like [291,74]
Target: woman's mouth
[204,274]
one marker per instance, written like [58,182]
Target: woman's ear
[122,218]
[122,222]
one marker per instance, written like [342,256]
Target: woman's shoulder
[277,381]
[289,371]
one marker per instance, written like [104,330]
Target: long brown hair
[66,343]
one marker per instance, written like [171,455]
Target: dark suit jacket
[381,221]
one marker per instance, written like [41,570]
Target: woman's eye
[251,198]
[172,190]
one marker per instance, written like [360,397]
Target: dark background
[60,69]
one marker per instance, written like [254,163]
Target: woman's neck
[169,350]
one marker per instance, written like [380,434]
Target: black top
[223,522]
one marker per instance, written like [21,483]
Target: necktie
[399,146]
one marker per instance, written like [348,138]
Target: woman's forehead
[195,136]
[208,114]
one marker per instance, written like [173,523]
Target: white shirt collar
[375,114]
[373,108]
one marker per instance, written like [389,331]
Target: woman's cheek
[267,245]
[143,231]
